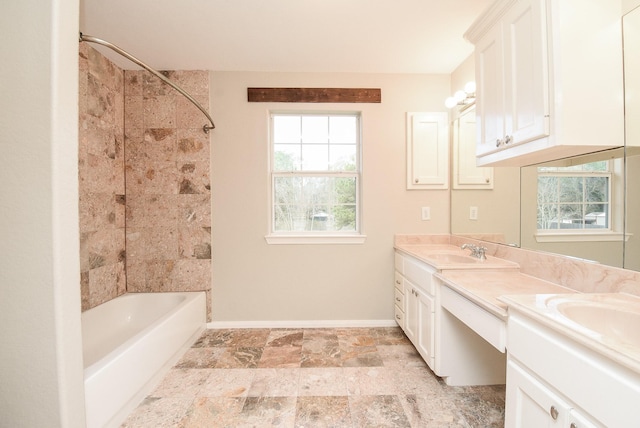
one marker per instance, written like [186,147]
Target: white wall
[40,354]
[254,281]
[628,5]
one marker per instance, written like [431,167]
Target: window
[315,174]
[575,197]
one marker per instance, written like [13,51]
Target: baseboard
[302,324]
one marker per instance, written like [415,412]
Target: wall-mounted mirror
[607,230]
[485,202]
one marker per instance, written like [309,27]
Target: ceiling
[364,36]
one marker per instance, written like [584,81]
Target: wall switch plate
[473,213]
[426,213]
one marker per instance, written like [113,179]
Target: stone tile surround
[580,275]
[145,199]
[345,377]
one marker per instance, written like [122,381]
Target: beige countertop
[607,323]
[426,253]
[485,287]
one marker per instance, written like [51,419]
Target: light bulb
[470,87]
[459,96]
[450,102]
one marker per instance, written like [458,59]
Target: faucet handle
[480,252]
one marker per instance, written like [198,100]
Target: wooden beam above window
[314,95]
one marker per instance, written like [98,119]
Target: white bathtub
[129,343]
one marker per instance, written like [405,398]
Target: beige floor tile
[322,382]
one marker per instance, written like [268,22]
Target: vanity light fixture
[464,97]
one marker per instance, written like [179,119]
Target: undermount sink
[613,317]
[453,258]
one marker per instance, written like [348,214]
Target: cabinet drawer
[399,262]
[420,275]
[399,298]
[397,282]
[399,315]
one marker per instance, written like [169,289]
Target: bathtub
[129,343]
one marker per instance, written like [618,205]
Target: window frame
[585,234]
[315,237]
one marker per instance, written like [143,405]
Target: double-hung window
[575,198]
[315,178]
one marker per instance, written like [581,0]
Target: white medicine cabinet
[427,151]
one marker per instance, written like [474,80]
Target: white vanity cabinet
[553,381]
[548,80]
[417,316]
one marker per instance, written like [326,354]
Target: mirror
[621,247]
[631,37]
[485,202]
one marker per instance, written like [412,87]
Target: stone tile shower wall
[144,182]
[101,178]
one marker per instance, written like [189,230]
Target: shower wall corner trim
[90,39]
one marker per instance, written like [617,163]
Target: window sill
[314,239]
[581,237]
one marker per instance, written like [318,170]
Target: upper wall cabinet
[427,151]
[548,80]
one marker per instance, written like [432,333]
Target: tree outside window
[315,173]
[576,197]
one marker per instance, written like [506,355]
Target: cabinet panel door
[427,150]
[426,318]
[466,175]
[489,91]
[527,76]
[410,311]
[530,404]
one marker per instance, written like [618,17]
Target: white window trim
[584,235]
[282,239]
[315,238]
[581,236]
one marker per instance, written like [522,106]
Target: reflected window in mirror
[574,198]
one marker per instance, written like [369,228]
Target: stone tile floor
[343,377]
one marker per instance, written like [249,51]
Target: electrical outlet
[426,213]
[473,213]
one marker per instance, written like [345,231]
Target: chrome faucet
[476,251]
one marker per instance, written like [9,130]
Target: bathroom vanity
[572,362]
[569,359]
[446,303]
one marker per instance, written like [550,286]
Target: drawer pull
[573,425]
[553,412]
[397,281]
[397,317]
[398,299]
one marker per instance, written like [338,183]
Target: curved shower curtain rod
[91,39]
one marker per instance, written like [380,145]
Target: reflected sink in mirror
[614,317]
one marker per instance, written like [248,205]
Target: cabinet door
[426,337]
[410,311]
[489,91]
[530,404]
[466,175]
[427,151]
[527,73]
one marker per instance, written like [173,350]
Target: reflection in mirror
[485,202]
[631,35]
[575,207]
[624,218]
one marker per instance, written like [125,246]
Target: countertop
[616,340]
[423,252]
[485,287]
